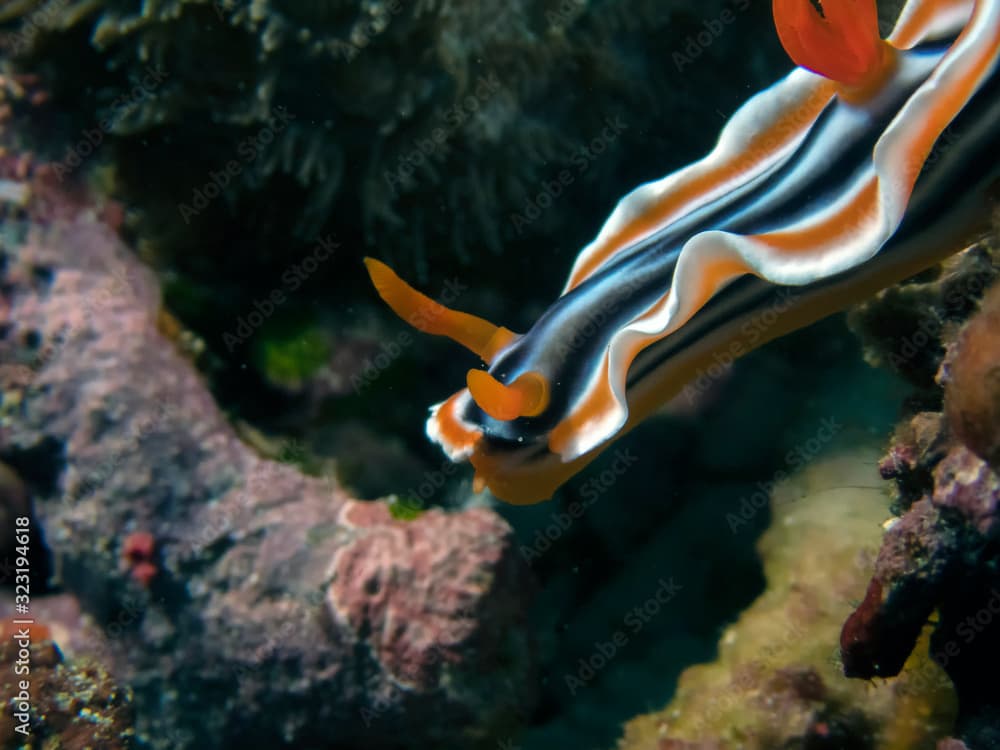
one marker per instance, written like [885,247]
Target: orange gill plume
[838,39]
[527,396]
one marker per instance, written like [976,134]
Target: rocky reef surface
[61,704]
[246,604]
[941,553]
[777,681]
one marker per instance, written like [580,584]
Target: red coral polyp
[138,553]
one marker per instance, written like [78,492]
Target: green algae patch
[778,680]
[288,353]
[405,508]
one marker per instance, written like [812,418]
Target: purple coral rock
[965,483]
[880,634]
[284,613]
[941,553]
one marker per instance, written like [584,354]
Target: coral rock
[903,326]
[940,554]
[69,705]
[777,682]
[972,390]
[283,613]
[13,504]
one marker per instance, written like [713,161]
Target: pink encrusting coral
[374,595]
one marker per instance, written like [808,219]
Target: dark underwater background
[240,536]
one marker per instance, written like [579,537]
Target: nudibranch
[822,189]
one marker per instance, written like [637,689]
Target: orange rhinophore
[527,396]
[420,311]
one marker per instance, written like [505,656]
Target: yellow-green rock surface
[777,682]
